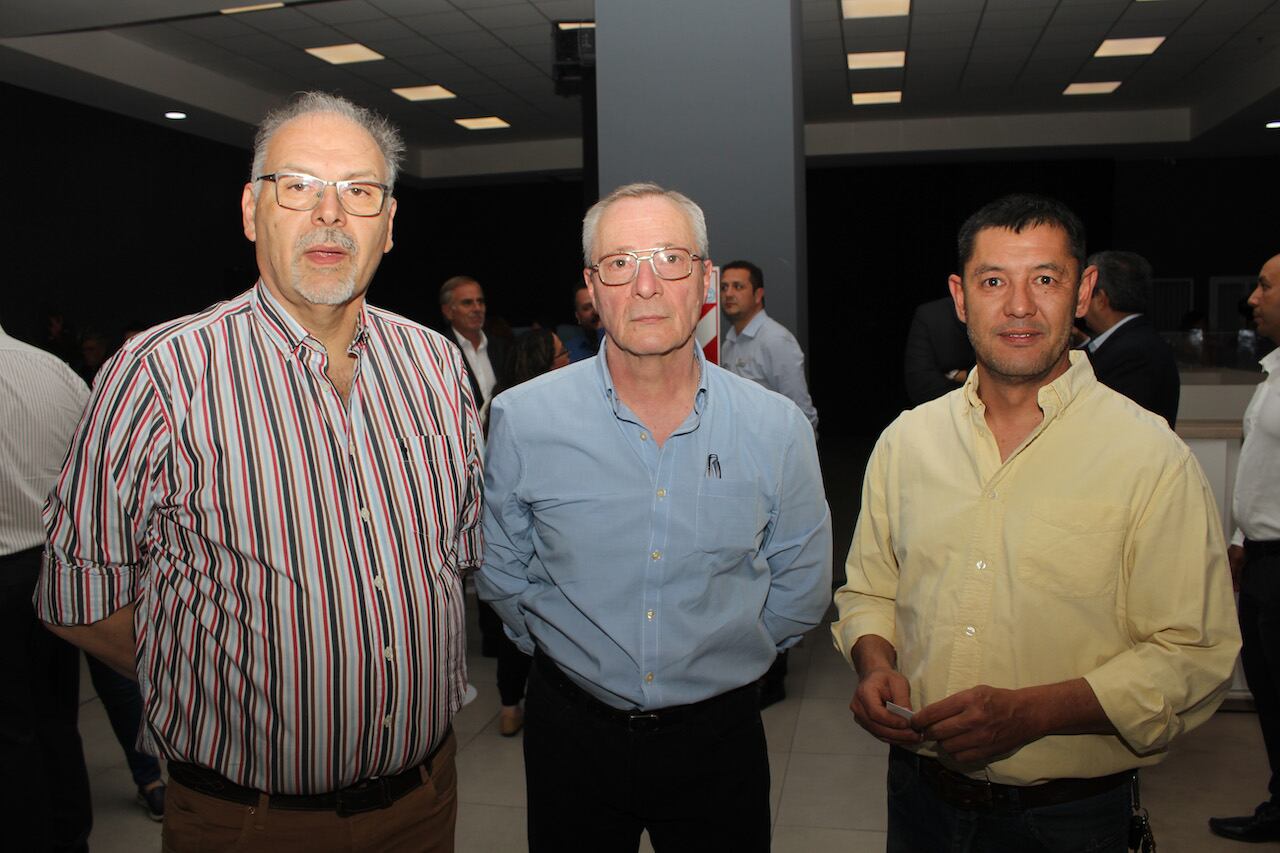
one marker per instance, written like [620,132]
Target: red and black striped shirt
[295,559]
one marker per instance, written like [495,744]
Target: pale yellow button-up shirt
[1094,550]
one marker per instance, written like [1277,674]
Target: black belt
[635,719]
[1269,548]
[366,795]
[962,792]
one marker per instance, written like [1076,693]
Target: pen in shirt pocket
[713,465]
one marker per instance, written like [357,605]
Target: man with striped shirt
[265,515]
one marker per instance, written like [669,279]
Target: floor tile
[834,792]
[491,771]
[780,723]
[827,726]
[808,839]
[489,829]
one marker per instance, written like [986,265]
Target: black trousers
[44,787]
[594,784]
[1260,654]
[513,664]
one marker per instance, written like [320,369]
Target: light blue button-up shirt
[653,576]
[766,352]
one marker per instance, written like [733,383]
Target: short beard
[334,291]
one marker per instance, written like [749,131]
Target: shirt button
[377,582]
[644,436]
[991,495]
[364,513]
[662,493]
[388,653]
[969,630]
[648,614]
[648,678]
[656,555]
[981,564]
[386,721]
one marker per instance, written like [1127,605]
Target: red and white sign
[707,332]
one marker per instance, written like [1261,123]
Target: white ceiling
[980,74]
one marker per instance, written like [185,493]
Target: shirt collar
[466,344]
[1270,362]
[286,332]
[1098,341]
[605,378]
[749,330]
[1054,397]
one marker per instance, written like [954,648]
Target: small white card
[904,713]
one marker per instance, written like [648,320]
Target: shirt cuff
[81,593]
[849,630]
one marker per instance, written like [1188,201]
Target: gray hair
[1126,279]
[697,220]
[452,284]
[384,133]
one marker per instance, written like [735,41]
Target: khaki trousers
[421,821]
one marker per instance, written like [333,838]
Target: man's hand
[879,682]
[977,724]
[874,689]
[1235,559]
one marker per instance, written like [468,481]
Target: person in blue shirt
[587,343]
[655,590]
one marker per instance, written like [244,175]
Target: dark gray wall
[704,96]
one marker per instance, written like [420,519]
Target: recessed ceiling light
[864,98]
[485,123]
[341,54]
[878,59]
[1129,47]
[1092,88]
[424,93]
[260,7]
[175,115]
[1273,125]
[875,8]
[576,25]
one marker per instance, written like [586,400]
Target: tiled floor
[828,775]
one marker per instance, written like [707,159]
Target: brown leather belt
[366,795]
[962,792]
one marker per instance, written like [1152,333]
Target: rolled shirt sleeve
[1180,615]
[96,516]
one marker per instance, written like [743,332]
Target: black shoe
[153,802]
[1262,825]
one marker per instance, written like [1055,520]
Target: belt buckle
[368,796]
[642,722]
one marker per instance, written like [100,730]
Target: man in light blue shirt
[758,347]
[658,589]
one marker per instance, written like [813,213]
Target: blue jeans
[123,704]
[920,822]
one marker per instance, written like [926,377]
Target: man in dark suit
[463,306]
[1126,351]
[938,355]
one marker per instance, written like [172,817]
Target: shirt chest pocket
[730,517]
[1073,548]
[434,465]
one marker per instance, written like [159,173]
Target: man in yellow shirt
[1038,570]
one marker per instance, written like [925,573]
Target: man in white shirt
[1254,556]
[45,789]
[462,303]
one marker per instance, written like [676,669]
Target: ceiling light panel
[484,123]
[875,8]
[1129,47]
[877,59]
[424,93]
[344,54]
[861,99]
[1092,88]
[259,7]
